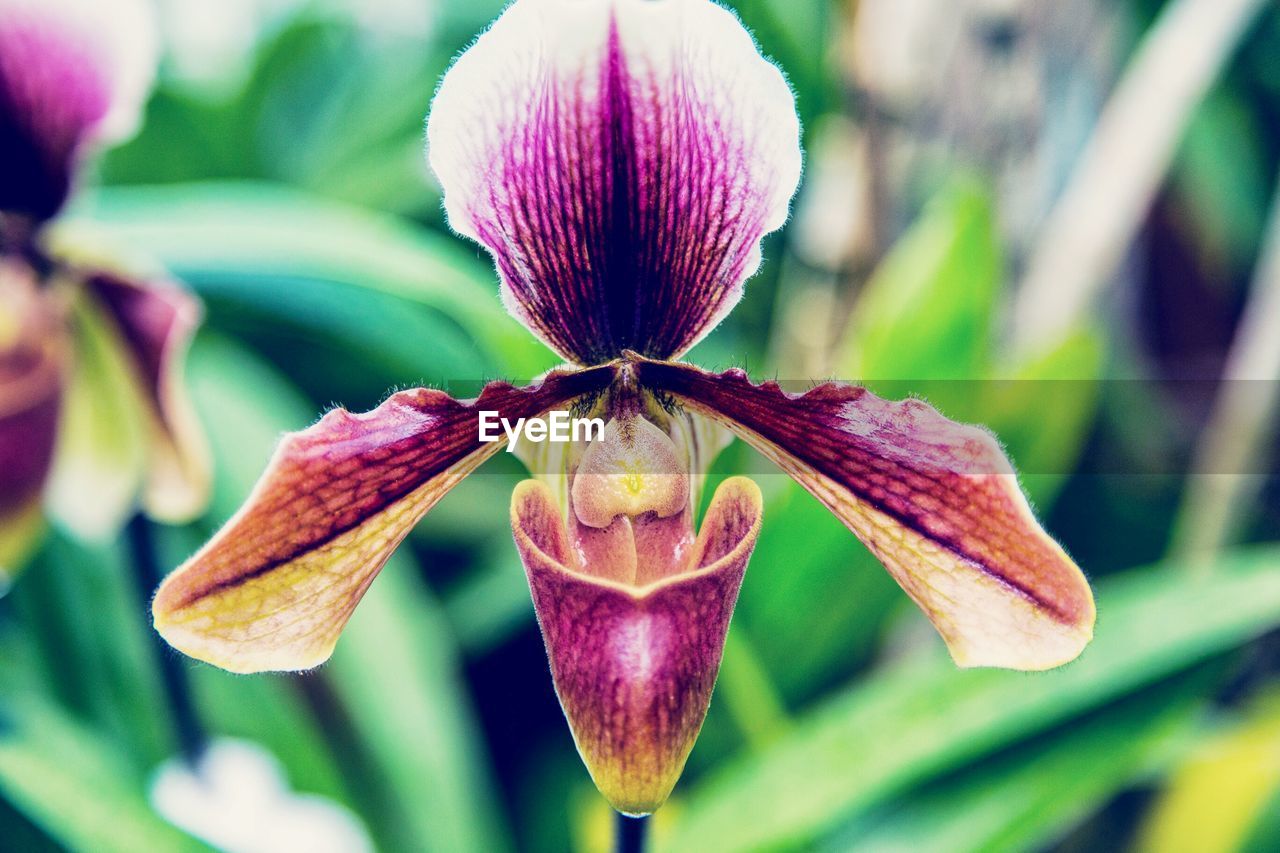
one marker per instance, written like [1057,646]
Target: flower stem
[191,735]
[630,833]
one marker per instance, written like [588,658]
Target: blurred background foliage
[280,174]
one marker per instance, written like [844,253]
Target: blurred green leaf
[924,716]
[490,604]
[21,834]
[1264,837]
[185,137]
[333,111]
[927,311]
[20,534]
[243,231]
[747,692]
[1214,799]
[323,106]
[339,341]
[86,623]
[270,711]
[786,32]
[1222,178]
[396,670]
[76,787]
[246,406]
[1044,411]
[1024,798]
[814,601]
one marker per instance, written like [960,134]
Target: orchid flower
[622,161]
[90,355]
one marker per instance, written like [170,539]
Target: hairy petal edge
[274,588]
[936,501]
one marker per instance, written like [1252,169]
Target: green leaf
[397,672]
[490,604]
[927,311]
[786,32]
[245,405]
[343,338]
[242,231]
[923,716]
[21,532]
[1222,180]
[85,619]
[1025,798]
[270,711]
[1216,798]
[807,562]
[1264,837]
[77,788]
[340,114]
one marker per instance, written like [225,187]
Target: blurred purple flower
[74,75]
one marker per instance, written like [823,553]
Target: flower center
[630,514]
[633,470]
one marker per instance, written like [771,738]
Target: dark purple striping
[622,217]
[343,471]
[974,519]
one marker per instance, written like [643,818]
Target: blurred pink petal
[71,72]
[157,321]
[33,354]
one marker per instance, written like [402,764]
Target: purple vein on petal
[622,162]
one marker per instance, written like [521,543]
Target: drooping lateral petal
[156,322]
[634,667]
[33,353]
[273,589]
[621,160]
[71,71]
[936,501]
[100,458]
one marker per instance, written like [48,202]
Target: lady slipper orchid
[86,352]
[622,160]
